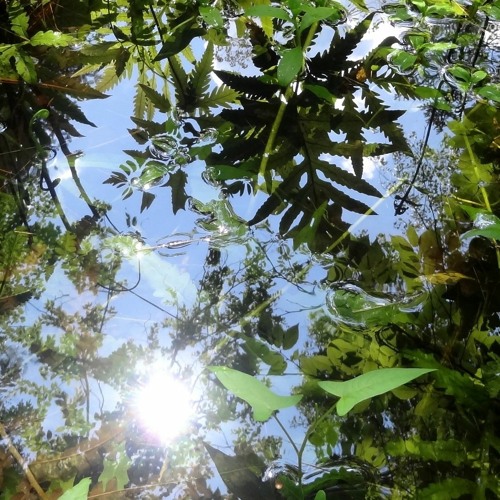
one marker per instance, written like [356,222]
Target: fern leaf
[249,86]
[341,176]
[222,96]
[200,76]
[140,97]
[70,109]
[334,59]
[108,80]
[161,102]
[179,80]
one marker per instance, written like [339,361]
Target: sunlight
[164,406]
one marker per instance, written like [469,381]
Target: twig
[24,466]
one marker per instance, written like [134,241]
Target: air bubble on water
[208,136]
[159,153]
[162,147]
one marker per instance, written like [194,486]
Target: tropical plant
[417,308]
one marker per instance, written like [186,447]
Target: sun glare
[164,406]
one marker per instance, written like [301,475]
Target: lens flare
[164,406]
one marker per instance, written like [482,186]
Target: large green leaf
[263,401]
[78,492]
[367,385]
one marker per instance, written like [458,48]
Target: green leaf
[19,20]
[447,489]
[478,76]
[220,96]
[360,4]
[321,495]
[491,91]
[268,11]
[51,39]
[178,42]
[200,77]
[487,225]
[427,92]
[438,47]
[274,359]
[367,385]
[116,470]
[161,103]
[211,16]
[263,401]
[78,492]
[289,66]
[308,233]
[242,474]
[290,337]
[315,14]
[460,72]
[25,67]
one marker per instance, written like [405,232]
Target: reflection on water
[112,308]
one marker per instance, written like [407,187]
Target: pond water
[205,291]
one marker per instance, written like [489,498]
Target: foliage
[395,307]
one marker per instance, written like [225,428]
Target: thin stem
[263,174]
[311,429]
[24,466]
[482,189]
[283,428]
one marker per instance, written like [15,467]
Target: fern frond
[200,76]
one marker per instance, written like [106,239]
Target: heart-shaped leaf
[374,383]
[263,401]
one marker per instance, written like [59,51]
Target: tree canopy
[322,362]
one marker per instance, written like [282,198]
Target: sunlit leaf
[370,384]
[114,476]
[490,91]
[268,11]
[160,101]
[212,16]
[51,39]
[200,76]
[78,492]
[444,278]
[289,66]
[263,401]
